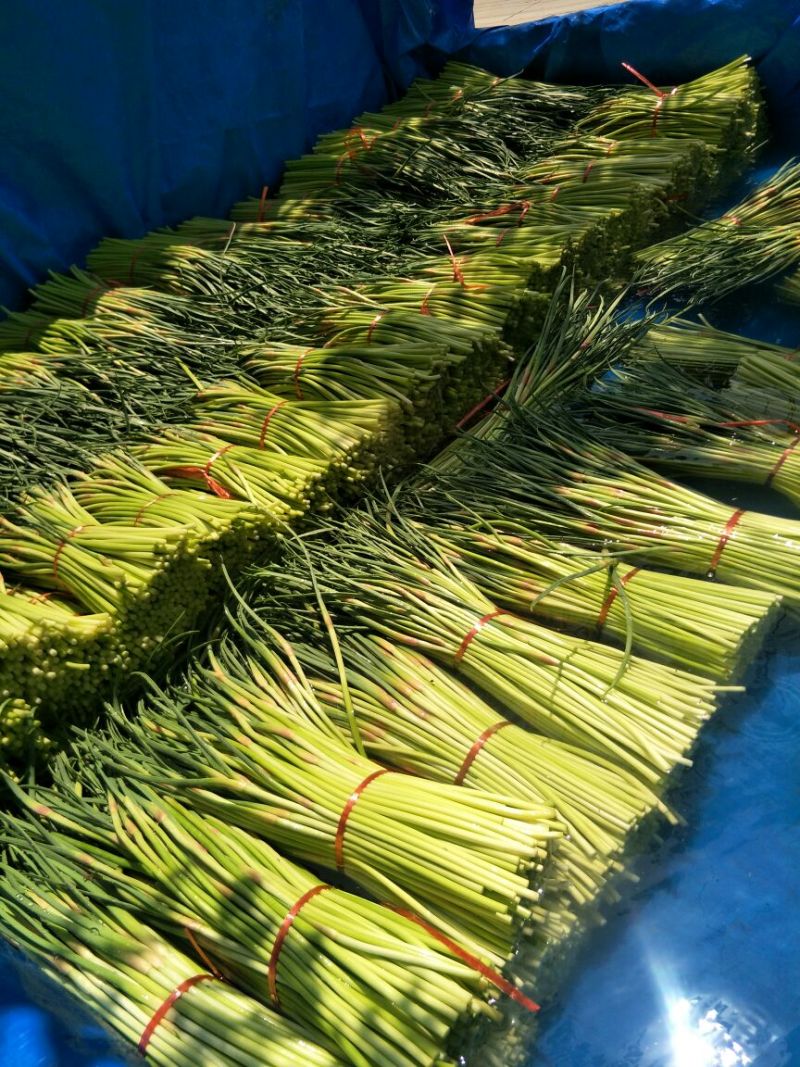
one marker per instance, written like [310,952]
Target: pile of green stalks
[252,745]
[692,431]
[642,715]
[137,983]
[709,629]
[753,241]
[375,984]
[416,716]
[570,482]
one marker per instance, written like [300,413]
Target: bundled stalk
[346,435]
[256,749]
[700,348]
[709,629]
[556,476]
[721,108]
[138,985]
[694,432]
[418,717]
[753,241]
[641,715]
[282,486]
[377,984]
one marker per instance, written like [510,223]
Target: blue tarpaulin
[117,118]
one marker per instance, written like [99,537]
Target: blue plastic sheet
[119,118]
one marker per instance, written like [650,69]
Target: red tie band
[496,979]
[477,748]
[473,633]
[163,1010]
[347,811]
[613,593]
[285,927]
[62,544]
[727,534]
[782,459]
[267,420]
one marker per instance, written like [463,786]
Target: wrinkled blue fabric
[118,118]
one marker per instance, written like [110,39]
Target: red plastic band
[199,472]
[589,168]
[656,113]
[498,212]
[555,192]
[762,422]
[62,544]
[424,308]
[262,202]
[458,273]
[496,979]
[205,473]
[473,633]
[482,404]
[267,420]
[613,593]
[373,324]
[286,925]
[149,504]
[476,749]
[457,95]
[296,376]
[347,811]
[782,459]
[727,533]
[215,971]
[349,154]
[645,81]
[735,220]
[160,1014]
[359,132]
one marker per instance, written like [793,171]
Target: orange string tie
[470,415]
[645,81]
[347,811]
[267,420]
[62,544]
[457,95]
[555,192]
[477,748]
[589,168]
[296,375]
[727,534]
[340,162]
[458,273]
[262,203]
[164,1009]
[373,324]
[782,459]
[285,927]
[425,308]
[492,976]
[205,473]
[153,500]
[613,593]
[473,633]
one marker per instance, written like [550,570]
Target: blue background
[118,118]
